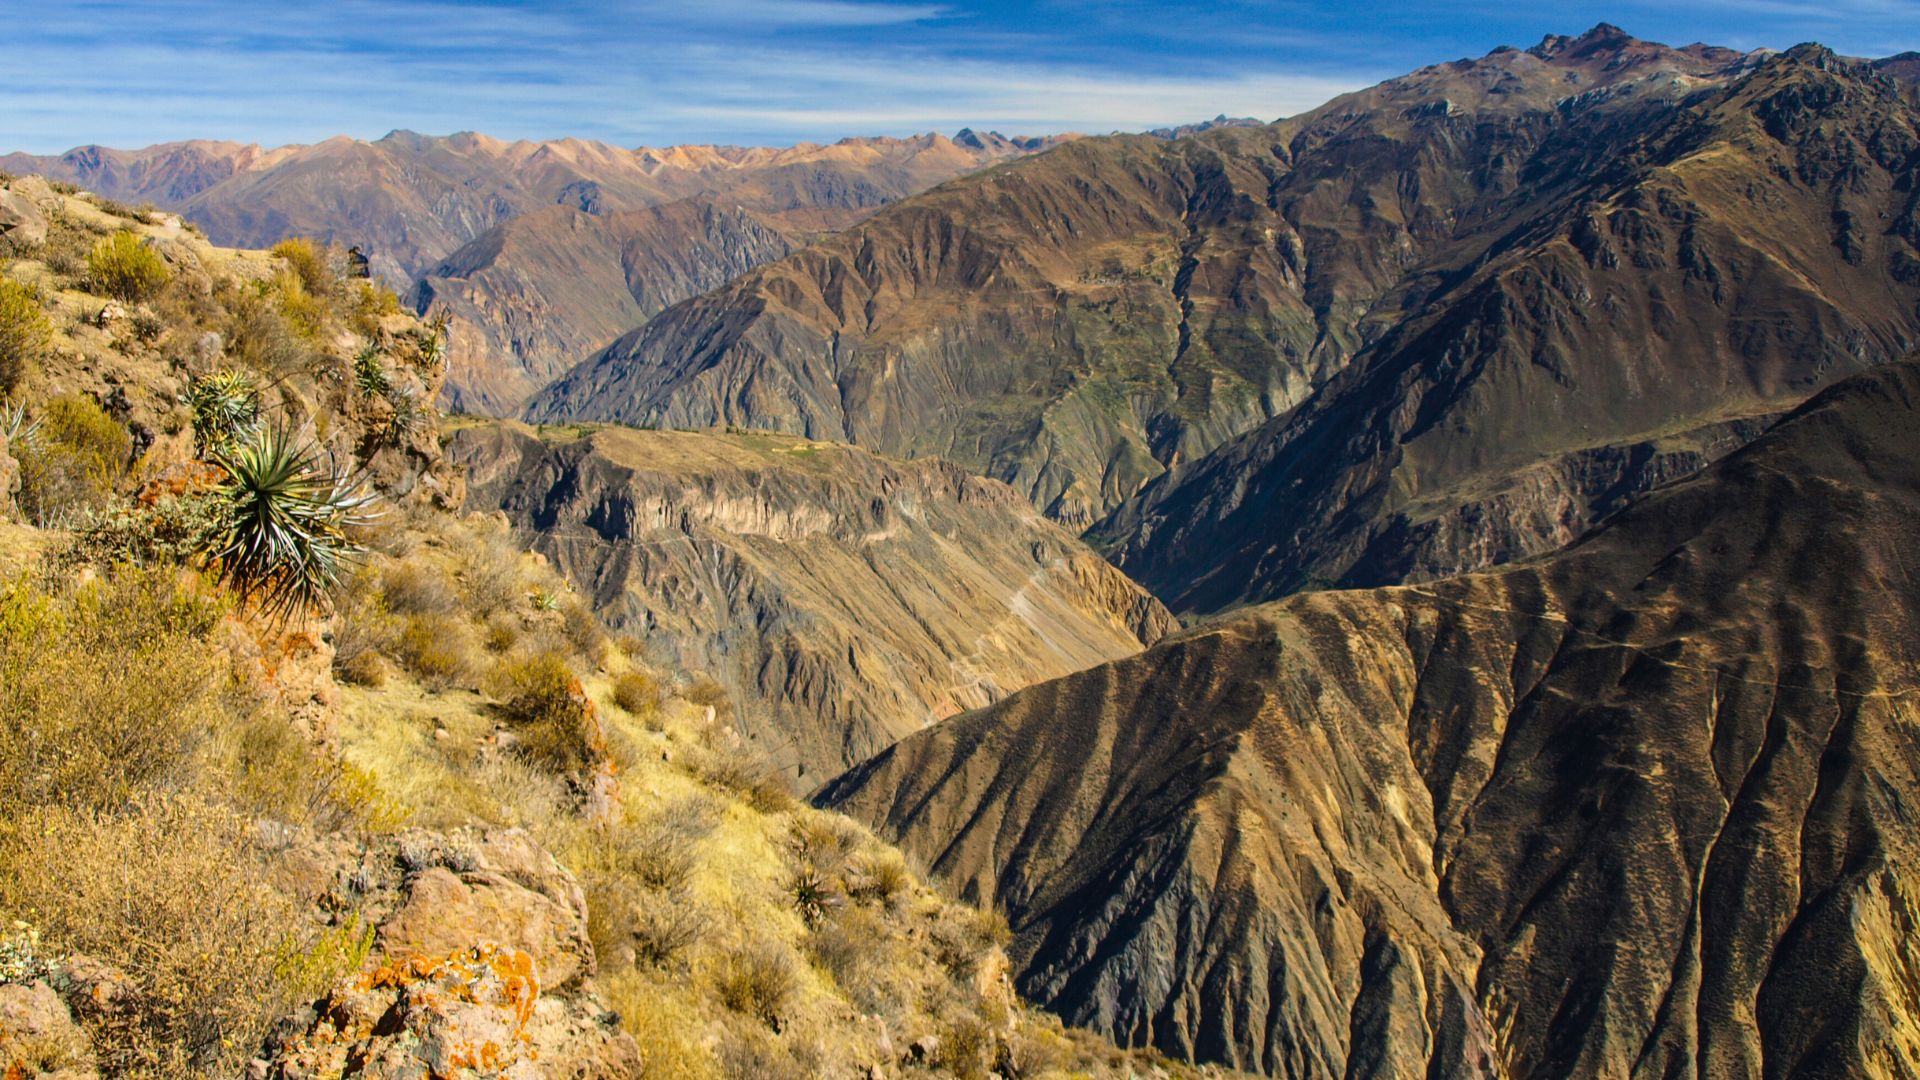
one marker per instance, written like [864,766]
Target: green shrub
[124,267]
[308,261]
[71,462]
[24,335]
[305,313]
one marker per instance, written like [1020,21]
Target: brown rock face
[1644,808]
[38,1038]
[843,599]
[477,1011]
[532,297]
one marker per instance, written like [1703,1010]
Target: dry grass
[755,980]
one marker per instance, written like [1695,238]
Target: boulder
[504,890]
[21,223]
[478,1011]
[38,1037]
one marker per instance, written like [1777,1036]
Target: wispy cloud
[772,71]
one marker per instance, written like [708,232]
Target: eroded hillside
[844,600]
[1641,808]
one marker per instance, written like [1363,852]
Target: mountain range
[1415,588]
[1447,321]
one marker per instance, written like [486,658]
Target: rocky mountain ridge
[1075,323]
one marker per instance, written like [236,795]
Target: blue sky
[778,71]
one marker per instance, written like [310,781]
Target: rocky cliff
[1445,322]
[845,600]
[1644,808]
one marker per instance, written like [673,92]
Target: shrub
[436,648]
[553,718]
[104,691]
[417,588]
[124,267]
[176,893]
[880,878]
[638,693]
[748,775]
[490,573]
[287,541]
[308,261]
[583,629]
[24,335]
[370,303]
[70,464]
[306,314]
[755,981]
[172,529]
[258,336]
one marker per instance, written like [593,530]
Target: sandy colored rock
[479,1011]
[504,890]
[38,1038]
[21,222]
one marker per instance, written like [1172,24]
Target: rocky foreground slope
[844,600]
[1445,322]
[1643,808]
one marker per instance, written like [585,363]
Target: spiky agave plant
[370,371]
[225,408]
[285,541]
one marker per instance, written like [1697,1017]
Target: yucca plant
[370,373]
[225,408]
[286,540]
[15,424]
[408,417]
[433,344]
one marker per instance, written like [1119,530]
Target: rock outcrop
[1643,808]
[843,599]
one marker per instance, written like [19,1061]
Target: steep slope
[1076,322]
[1644,808]
[1720,267]
[844,600]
